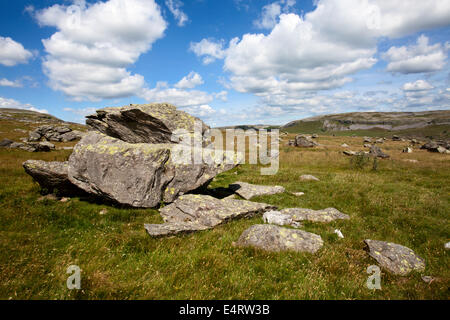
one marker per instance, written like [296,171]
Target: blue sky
[227,62]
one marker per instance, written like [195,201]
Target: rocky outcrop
[274,238]
[54,133]
[395,258]
[434,146]
[194,212]
[248,191]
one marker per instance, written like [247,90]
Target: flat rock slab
[325,215]
[395,258]
[193,212]
[274,238]
[248,191]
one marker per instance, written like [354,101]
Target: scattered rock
[103,211]
[298,194]
[6,143]
[308,177]
[344,145]
[305,142]
[192,212]
[325,215]
[376,152]
[380,140]
[291,143]
[65,199]
[367,145]
[274,238]
[428,279]
[367,139]
[248,191]
[51,175]
[49,196]
[407,150]
[396,258]
[396,138]
[447,246]
[315,136]
[349,153]
[278,218]
[411,160]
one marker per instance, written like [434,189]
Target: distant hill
[16,123]
[435,123]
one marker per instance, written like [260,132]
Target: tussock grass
[406,203]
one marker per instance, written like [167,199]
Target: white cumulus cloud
[210,49]
[190,81]
[8,83]
[421,57]
[418,85]
[271,12]
[12,52]
[88,55]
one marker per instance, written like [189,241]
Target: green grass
[401,202]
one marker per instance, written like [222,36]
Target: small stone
[349,152]
[447,246]
[411,160]
[428,279]
[344,145]
[308,177]
[103,211]
[298,194]
[276,217]
[407,150]
[64,199]
[49,196]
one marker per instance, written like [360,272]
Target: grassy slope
[402,202]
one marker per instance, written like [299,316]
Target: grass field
[402,202]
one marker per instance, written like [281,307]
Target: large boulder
[396,258]
[305,142]
[135,174]
[151,123]
[51,175]
[194,212]
[274,238]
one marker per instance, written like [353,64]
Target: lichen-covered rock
[51,175]
[150,123]
[248,191]
[274,238]
[395,258]
[194,212]
[278,218]
[53,133]
[325,215]
[135,174]
[349,152]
